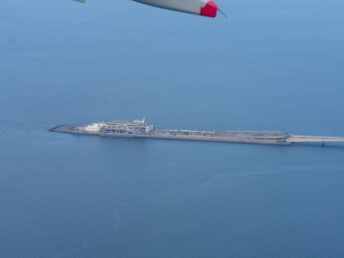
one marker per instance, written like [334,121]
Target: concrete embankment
[254,137]
[166,134]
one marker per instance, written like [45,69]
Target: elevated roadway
[313,139]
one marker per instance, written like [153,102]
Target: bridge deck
[305,139]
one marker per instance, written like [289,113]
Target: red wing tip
[209,9]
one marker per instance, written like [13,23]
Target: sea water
[271,65]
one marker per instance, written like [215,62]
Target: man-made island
[139,129]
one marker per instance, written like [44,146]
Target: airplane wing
[200,7]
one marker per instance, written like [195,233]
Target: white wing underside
[201,7]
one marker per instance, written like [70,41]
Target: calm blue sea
[272,65]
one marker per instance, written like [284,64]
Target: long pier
[139,129]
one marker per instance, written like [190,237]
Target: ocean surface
[272,65]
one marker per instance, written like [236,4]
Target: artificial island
[139,129]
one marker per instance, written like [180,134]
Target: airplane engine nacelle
[201,7]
